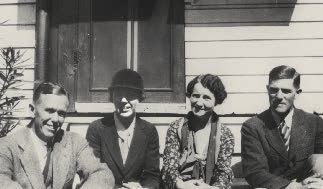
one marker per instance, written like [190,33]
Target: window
[91,40]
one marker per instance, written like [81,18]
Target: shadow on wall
[26,14]
[239,12]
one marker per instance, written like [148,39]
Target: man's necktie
[285,132]
[47,170]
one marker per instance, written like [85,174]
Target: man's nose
[280,94]
[55,117]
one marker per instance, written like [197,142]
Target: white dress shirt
[41,149]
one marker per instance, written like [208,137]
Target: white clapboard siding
[252,66]
[28,57]
[17,36]
[274,48]
[257,83]
[18,14]
[298,30]
[18,30]
[257,102]
[27,80]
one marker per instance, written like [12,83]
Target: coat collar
[298,133]
[30,162]
[28,158]
[136,147]
[60,158]
[272,133]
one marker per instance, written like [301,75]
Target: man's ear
[299,91]
[32,107]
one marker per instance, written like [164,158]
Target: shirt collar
[41,146]
[288,119]
[121,128]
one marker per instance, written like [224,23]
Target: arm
[151,172]
[223,174]
[171,158]
[93,137]
[93,173]
[6,167]
[319,137]
[254,161]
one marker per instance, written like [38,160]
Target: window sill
[178,108]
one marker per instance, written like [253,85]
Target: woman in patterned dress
[198,147]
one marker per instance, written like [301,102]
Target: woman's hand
[131,185]
[193,184]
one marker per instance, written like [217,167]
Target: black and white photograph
[161,94]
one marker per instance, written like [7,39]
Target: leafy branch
[11,71]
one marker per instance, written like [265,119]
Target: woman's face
[202,101]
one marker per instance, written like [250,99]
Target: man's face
[125,101]
[49,111]
[282,94]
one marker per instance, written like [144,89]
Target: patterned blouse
[222,174]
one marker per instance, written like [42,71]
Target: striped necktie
[285,132]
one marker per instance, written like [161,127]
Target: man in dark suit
[128,144]
[277,143]
[41,155]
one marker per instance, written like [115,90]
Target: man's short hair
[211,82]
[49,88]
[285,72]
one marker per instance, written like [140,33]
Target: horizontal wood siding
[243,55]
[17,29]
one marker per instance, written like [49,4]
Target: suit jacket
[265,161]
[143,161]
[19,164]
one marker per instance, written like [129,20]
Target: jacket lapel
[298,133]
[273,135]
[111,141]
[61,163]
[137,145]
[28,159]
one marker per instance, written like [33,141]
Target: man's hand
[314,182]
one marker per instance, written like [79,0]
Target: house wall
[17,29]
[241,53]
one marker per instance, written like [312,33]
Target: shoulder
[258,120]
[177,123]
[308,118]
[305,115]
[6,143]
[146,126]
[101,123]
[74,138]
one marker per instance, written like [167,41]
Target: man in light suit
[277,143]
[43,156]
[128,144]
